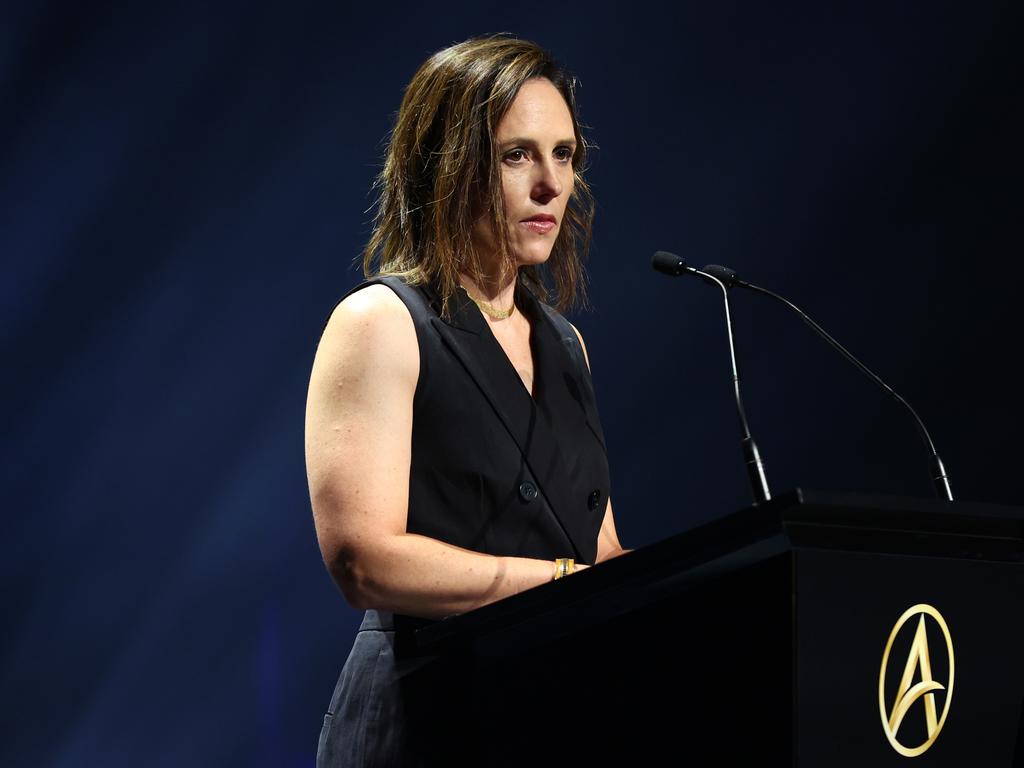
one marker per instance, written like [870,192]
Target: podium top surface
[795,520]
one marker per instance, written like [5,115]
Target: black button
[594,499]
[528,491]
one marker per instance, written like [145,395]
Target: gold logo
[908,692]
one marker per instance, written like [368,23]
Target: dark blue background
[183,189]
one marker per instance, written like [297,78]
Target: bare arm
[607,539]
[358,454]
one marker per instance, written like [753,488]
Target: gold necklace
[487,309]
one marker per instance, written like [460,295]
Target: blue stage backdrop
[184,188]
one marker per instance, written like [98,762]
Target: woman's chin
[532,257]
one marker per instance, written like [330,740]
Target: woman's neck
[495,297]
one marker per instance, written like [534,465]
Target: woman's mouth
[541,224]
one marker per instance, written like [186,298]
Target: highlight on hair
[441,173]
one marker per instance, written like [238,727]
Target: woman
[453,447]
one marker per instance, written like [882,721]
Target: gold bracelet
[564,566]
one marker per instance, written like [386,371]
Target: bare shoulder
[584,346]
[359,411]
[374,310]
[373,299]
[371,331]
[361,390]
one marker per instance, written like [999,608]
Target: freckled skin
[536,175]
[536,143]
[359,409]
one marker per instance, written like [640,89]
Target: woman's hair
[441,172]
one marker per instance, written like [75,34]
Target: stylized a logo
[908,692]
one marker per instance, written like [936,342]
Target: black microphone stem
[751,456]
[938,470]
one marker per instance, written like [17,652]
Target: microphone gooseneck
[940,479]
[670,264]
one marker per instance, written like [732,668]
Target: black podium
[815,630]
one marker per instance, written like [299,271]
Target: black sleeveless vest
[494,469]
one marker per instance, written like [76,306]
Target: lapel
[529,422]
[573,390]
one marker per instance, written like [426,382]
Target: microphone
[670,264]
[729,278]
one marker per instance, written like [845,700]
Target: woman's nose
[548,183]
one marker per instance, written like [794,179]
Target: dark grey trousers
[367,722]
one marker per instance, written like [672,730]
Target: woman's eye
[517,156]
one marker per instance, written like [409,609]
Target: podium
[818,629]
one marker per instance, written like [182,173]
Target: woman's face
[535,142]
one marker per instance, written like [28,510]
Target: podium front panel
[901,657]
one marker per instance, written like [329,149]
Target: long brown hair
[441,172]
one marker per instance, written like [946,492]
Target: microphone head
[668,263]
[728,276]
